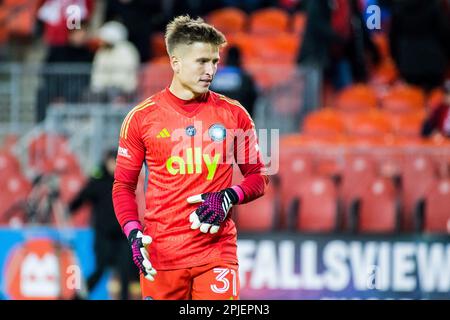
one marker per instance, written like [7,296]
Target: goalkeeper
[188,138]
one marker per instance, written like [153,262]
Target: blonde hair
[185,30]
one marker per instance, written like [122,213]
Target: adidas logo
[164,133]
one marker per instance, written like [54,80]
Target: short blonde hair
[185,30]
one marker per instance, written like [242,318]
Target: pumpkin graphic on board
[40,269]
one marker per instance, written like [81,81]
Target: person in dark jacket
[234,82]
[419,41]
[110,246]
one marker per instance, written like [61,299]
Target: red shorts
[214,281]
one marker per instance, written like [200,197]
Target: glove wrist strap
[130,226]
[239,192]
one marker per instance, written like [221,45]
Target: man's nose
[209,68]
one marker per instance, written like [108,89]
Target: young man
[187,137]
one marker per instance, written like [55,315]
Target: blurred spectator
[110,246]
[234,82]
[64,82]
[115,67]
[361,46]
[439,118]
[54,15]
[141,18]
[322,48]
[419,41]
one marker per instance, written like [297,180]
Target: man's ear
[175,63]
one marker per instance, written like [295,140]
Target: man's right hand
[138,243]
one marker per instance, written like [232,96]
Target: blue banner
[293,266]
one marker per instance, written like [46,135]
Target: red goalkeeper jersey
[188,148]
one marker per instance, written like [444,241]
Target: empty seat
[436,217]
[417,172]
[281,49]
[15,190]
[403,99]
[315,207]
[325,122]
[407,124]
[44,147]
[269,20]
[377,210]
[9,165]
[228,20]
[64,162]
[261,214]
[154,78]
[358,170]
[356,98]
[70,184]
[369,124]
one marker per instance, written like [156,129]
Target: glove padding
[213,210]
[138,243]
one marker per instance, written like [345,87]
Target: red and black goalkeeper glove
[213,209]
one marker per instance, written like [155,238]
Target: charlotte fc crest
[217,132]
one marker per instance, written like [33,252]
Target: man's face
[195,65]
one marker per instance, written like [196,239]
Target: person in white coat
[116,63]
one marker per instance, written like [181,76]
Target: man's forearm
[254,183]
[124,199]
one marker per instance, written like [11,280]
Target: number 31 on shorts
[225,278]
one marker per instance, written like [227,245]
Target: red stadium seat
[378,210]
[369,124]
[326,122]
[315,208]
[281,49]
[403,99]
[295,166]
[359,170]
[407,124]
[228,20]
[15,189]
[22,16]
[9,165]
[437,207]
[70,185]
[43,148]
[261,214]
[269,21]
[154,78]
[357,98]
[269,75]
[64,162]
[417,173]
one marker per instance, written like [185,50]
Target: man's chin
[201,89]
